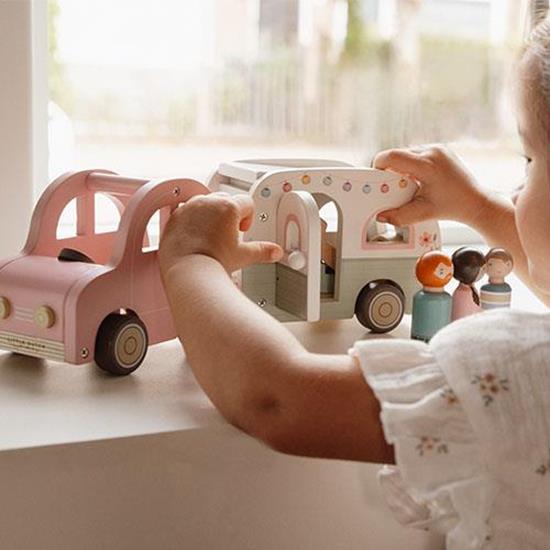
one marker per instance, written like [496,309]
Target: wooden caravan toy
[93,295]
[339,261]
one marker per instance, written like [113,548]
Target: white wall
[23,115]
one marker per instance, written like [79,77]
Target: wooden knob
[296,260]
[44,317]
[5,308]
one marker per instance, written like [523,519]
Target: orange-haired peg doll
[432,306]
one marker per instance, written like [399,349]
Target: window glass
[171,87]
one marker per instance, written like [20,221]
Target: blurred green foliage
[460,85]
[60,91]
[355,44]
[455,69]
[362,46]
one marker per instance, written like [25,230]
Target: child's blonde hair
[536,75]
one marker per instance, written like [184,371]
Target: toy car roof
[245,173]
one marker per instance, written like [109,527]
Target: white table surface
[46,403]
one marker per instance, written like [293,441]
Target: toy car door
[299,272]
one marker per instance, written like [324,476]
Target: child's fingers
[245,224]
[259,252]
[403,161]
[245,207]
[418,210]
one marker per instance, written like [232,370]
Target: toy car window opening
[155,227]
[67,224]
[386,233]
[152,233]
[107,213]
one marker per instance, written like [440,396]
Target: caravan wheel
[380,306]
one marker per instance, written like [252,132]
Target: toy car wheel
[380,306]
[121,344]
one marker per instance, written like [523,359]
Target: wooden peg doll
[469,267]
[497,293]
[432,305]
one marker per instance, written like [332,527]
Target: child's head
[499,263]
[469,265]
[533,203]
[434,269]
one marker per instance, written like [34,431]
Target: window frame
[24,112]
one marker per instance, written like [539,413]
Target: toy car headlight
[5,308]
[44,317]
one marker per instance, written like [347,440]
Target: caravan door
[298,285]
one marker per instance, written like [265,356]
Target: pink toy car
[91,296]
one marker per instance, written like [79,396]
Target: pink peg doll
[469,268]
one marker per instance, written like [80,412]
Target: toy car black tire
[121,343]
[380,306]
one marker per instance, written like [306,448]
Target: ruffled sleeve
[439,481]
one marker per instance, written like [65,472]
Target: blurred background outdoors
[173,87]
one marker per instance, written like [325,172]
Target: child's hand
[446,189]
[210,225]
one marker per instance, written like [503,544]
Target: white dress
[469,416]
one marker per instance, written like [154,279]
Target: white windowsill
[454,233]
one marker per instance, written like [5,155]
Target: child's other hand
[210,225]
[446,189]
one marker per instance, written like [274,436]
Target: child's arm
[254,370]
[448,191]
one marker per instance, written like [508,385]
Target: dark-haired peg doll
[432,305]
[469,268]
[497,293]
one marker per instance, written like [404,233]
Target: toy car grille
[36,347]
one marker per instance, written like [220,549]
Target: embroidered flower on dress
[490,386]
[429,444]
[449,395]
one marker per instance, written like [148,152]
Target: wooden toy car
[93,295]
[335,265]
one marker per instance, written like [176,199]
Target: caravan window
[292,236]
[386,233]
